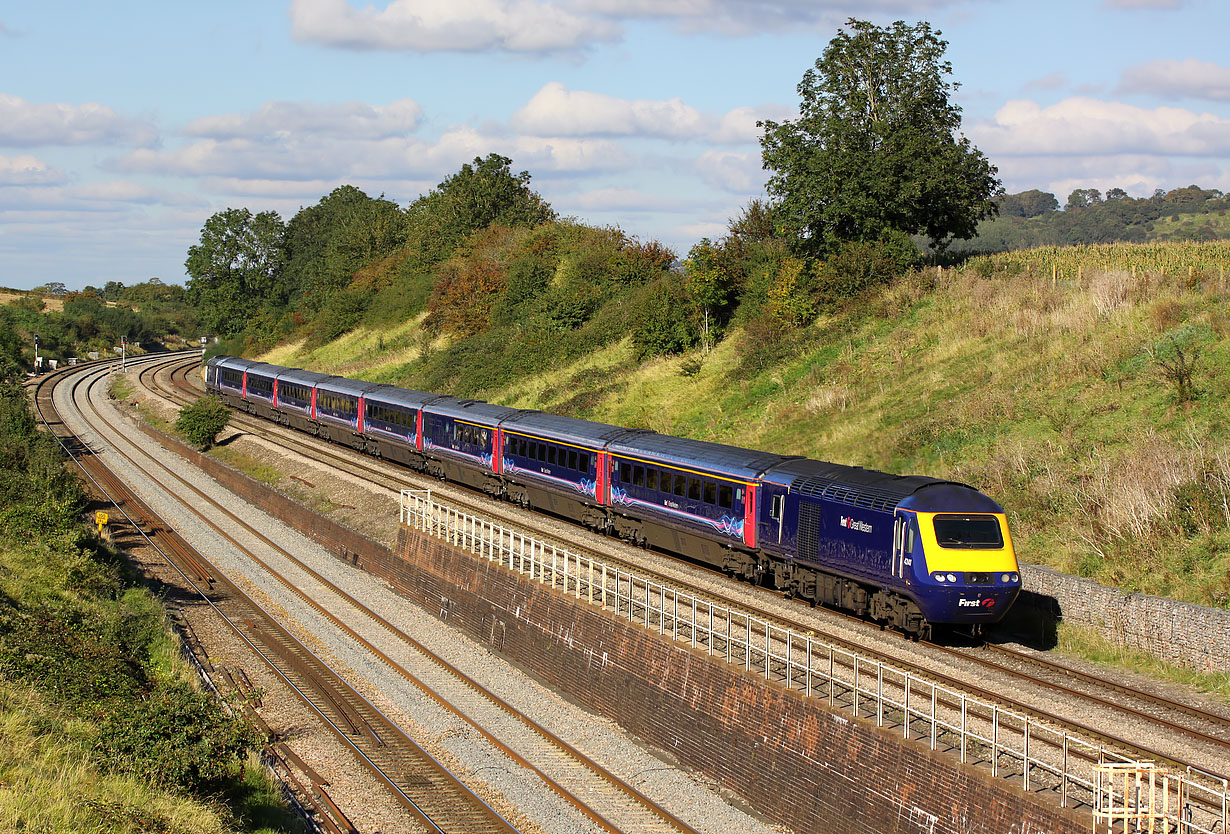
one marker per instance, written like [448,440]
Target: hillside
[1083,388]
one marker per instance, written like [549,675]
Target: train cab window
[551,455]
[694,489]
[710,492]
[572,459]
[725,496]
[638,475]
[968,532]
[681,483]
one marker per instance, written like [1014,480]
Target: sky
[125,125]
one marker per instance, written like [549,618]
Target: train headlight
[1006,578]
[1016,577]
[952,577]
[939,577]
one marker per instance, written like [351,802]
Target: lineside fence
[1013,746]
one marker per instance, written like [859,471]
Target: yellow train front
[907,551]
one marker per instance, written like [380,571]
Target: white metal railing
[1012,745]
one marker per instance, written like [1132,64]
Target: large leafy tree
[876,152]
[483,194]
[330,241]
[236,267]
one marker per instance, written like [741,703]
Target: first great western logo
[855,525]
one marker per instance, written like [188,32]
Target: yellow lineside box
[101,519]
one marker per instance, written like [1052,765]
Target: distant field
[53,303]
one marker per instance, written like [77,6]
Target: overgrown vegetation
[101,725]
[200,421]
[149,316]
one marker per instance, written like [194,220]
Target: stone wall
[1176,632]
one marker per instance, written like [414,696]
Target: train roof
[265,369]
[568,429]
[393,395]
[301,377]
[470,410]
[342,385]
[234,363]
[853,485]
[699,454]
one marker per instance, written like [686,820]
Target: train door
[901,526]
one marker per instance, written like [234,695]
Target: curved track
[568,772]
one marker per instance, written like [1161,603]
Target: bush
[200,422]
[177,737]
[662,326]
[859,265]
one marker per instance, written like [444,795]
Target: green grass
[1087,644]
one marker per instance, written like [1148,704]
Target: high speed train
[908,551]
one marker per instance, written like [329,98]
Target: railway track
[425,788]
[606,800]
[1205,729]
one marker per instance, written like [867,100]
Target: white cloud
[312,158]
[737,173]
[1175,79]
[446,25]
[541,26]
[1085,126]
[556,111]
[25,124]
[1143,4]
[27,170]
[351,119]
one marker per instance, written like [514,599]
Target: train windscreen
[977,532]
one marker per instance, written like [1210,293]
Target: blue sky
[125,125]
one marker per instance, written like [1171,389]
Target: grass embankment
[102,725]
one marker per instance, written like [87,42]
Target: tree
[1032,203]
[200,421]
[326,244]
[1083,198]
[876,152]
[236,266]
[484,194]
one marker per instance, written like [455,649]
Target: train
[909,552]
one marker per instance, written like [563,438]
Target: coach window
[583,461]
[775,509]
[694,489]
[725,494]
[651,478]
[710,492]
[551,455]
[680,484]
[638,475]
[572,459]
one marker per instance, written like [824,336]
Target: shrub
[859,265]
[662,324]
[177,737]
[200,421]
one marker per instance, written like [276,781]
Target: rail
[1041,757]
